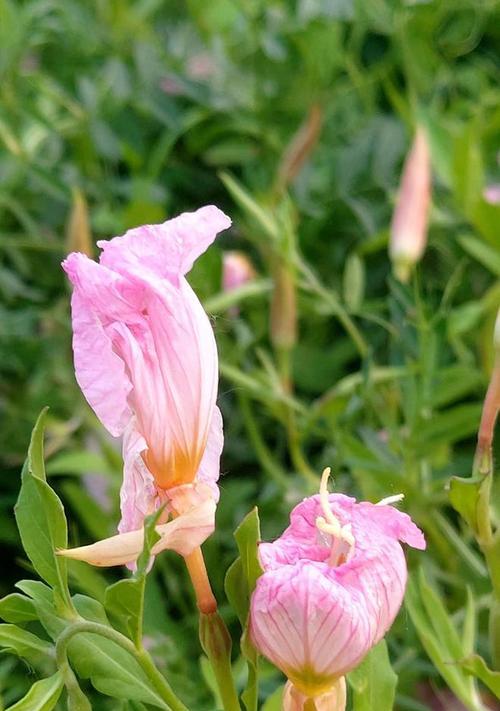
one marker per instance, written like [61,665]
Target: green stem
[336,308]
[140,655]
[261,449]
[296,454]
[216,643]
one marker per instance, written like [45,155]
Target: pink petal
[167,250]
[209,469]
[138,493]
[100,372]
[182,535]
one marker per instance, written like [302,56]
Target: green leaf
[25,644]
[236,590]
[486,255]
[275,701]
[437,646]
[43,695]
[124,600]
[17,608]
[374,681]
[249,205]
[247,537]
[477,666]
[40,517]
[111,669]
[240,582]
[470,498]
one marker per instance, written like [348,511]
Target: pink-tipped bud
[237,270]
[332,700]
[410,219]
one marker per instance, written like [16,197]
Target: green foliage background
[138,106]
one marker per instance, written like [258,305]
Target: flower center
[341,540]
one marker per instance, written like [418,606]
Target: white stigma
[390,500]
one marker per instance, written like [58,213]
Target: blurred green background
[121,112]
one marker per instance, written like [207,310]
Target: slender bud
[284,308]
[332,700]
[410,219]
[78,234]
[237,270]
[300,147]
[491,407]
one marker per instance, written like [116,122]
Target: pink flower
[332,586]
[409,222]
[146,360]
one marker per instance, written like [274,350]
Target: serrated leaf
[374,681]
[25,644]
[43,695]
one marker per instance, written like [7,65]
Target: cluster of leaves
[143,106]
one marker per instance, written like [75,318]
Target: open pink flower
[332,586]
[146,360]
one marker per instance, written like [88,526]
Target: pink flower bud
[332,586]
[237,270]
[146,359]
[410,219]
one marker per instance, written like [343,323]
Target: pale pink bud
[237,270]
[410,219]
[332,586]
[146,359]
[492,194]
[333,700]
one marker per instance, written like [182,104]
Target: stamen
[342,539]
[390,500]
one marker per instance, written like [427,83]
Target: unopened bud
[78,235]
[237,269]
[284,308]
[214,637]
[332,700]
[409,223]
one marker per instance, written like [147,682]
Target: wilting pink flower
[332,586]
[409,222]
[146,360]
